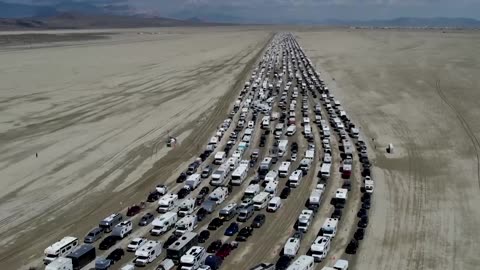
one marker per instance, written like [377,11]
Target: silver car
[95,234]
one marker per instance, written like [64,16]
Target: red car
[135,209]
[224,250]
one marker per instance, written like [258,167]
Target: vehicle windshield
[317,252]
[51,256]
[143,258]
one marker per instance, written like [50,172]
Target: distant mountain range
[406,22]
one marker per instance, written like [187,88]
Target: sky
[287,11]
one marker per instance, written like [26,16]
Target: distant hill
[406,22]
[80,21]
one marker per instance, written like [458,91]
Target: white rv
[163,223]
[291,247]
[193,258]
[266,122]
[239,175]
[271,176]
[304,220]
[123,229]
[219,195]
[341,195]
[186,224]
[251,191]
[186,207]
[219,176]
[320,247]
[60,263]
[295,178]
[315,198]
[307,130]
[284,169]
[266,164]
[167,203]
[303,262]
[60,249]
[193,181]
[325,169]
[271,187]
[233,163]
[329,227]
[282,147]
[148,253]
[291,130]
[278,130]
[261,200]
[219,158]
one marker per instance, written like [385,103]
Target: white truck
[303,262]
[219,195]
[123,229]
[271,187]
[291,247]
[304,220]
[193,258]
[261,200]
[163,223]
[251,191]
[239,174]
[60,263]
[320,247]
[284,169]
[282,147]
[219,176]
[148,253]
[219,158]
[186,207]
[295,178]
[369,186]
[193,181]
[167,202]
[329,227]
[186,224]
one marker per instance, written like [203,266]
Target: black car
[146,219]
[366,197]
[201,214]
[294,147]
[170,240]
[359,234]
[108,242]
[283,262]
[363,222]
[262,143]
[203,236]
[115,255]
[337,213]
[181,178]
[214,246]
[206,171]
[274,160]
[183,192]
[285,192]
[258,221]
[366,204]
[352,247]
[362,212]
[204,190]
[215,224]
[244,234]
[153,196]
[200,199]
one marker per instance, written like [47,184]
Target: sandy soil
[98,113]
[419,91]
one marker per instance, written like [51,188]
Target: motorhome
[291,247]
[295,178]
[109,222]
[274,204]
[219,176]
[284,169]
[193,181]
[238,153]
[219,158]
[82,256]
[167,203]
[251,191]
[245,212]
[271,176]
[325,169]
[341,265]
[193,258]
[306,121]
[148,253]
[369,186]
[303,262]
[307,130]
[318,118]
[354,132]
[327,158]
[291,130]
[233,163]
[212,144]
[271,187]
[239,175]
[121,230]
[186,207]
[186,224]
[229,211]
[305,164]
[329,227]
[60,263]
[219,195]
[278,130]
[266,122]
[177,249]
[341,196]
[261,200]
[320,247]
[304,220]
[310,154]
[163,223]
[60,248]
[265,164]
[282,147]
[315,198]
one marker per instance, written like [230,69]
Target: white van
[60,249]
[219,158]
[274,204]
[291,130]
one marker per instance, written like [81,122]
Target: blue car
[232,229]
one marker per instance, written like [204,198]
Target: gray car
[146,219]
[95,234]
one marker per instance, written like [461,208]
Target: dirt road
[417,90]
